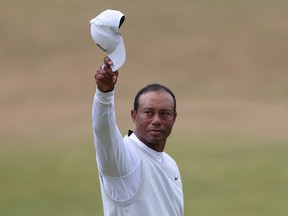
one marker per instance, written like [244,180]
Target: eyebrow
[162,109]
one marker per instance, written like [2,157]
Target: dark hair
[153,87]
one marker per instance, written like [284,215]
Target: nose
[156,120]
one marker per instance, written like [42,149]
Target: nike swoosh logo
[176,178]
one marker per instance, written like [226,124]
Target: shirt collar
[158,156]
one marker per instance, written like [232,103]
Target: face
[154,118]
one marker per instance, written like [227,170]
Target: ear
[175,116]
[133,115]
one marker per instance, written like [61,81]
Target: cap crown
[105,33]
[105,29]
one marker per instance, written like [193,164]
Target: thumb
[115,76]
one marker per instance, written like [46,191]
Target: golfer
[137,178]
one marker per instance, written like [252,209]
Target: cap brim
[118,56]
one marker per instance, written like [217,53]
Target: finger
[108,75]
[102,75]
[115,76]
[107,68]
[116,73]
[107,61]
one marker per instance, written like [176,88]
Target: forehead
[159,99]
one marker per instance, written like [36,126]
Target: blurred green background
[226,61]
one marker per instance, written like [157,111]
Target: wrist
[104,97]
[105,90]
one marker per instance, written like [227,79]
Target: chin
[156,141]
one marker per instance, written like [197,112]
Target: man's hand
[105,78]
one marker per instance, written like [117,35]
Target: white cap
[105,33]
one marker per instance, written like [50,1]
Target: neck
[156,146]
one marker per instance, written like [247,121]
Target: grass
[49,179]
[226,61]
[228,177]
[221,176]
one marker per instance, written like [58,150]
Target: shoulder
[169,160]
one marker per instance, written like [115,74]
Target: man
[137,178]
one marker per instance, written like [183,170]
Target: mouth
[155,132]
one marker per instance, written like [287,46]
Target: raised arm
[114,158]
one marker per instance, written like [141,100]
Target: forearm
[105,131]
[113,157]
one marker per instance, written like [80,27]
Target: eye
[147,112]
[166,113]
